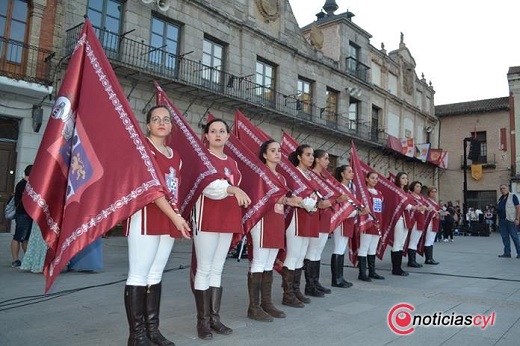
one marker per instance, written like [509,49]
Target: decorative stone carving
[316,37]
[408,77]
[269,9]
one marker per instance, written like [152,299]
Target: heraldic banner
[93,168]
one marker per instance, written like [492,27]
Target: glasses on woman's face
[157,120]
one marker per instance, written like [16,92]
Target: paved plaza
[87,309]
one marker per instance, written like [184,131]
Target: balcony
[21,61]
[192,77]
[357,69]
[485,161]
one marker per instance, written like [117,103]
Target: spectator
[508,210]
[23,221]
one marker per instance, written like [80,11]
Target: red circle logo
[399,319]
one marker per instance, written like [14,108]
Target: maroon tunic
[224,215]
[307,224]
[153,219]
[376,206]
[272,226]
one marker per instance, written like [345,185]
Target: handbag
[10,209]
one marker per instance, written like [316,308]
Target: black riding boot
[153,303]
[336,267]
[371,260]
[363,269]
[135,306]
[397,261]
[316,266]
[310,281]
[428,253]
[411,259]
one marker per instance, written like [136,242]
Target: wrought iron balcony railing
[357,69]
[22,61]
[166,65]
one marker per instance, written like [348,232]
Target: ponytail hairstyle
[318,154]
[338,171]
[293,157]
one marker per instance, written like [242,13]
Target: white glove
[309,204]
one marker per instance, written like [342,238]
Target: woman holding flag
[151,234]
[212,237]
[433,221]
[343,174]
[312,262]
[267,238]
[370,237]
[400,229]
[418,223]
[304,225]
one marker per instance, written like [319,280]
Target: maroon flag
[260,184]
[93,168]
[201,170]
[252,137]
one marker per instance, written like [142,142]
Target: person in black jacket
[23,221]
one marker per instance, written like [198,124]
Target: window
[352,62]
[376,74]
[481,138]
[374,129]
[212,53]
[419,99]
[479,199]
[353,113]
[106,15]
[265,78]
[331,104]
[304,97]
[164,40]
[392,83]
[13,26]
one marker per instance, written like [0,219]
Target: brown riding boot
[266,289]
[289,298]
[255,311]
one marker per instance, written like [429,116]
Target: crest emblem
[269,9]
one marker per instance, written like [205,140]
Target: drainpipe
[513,133]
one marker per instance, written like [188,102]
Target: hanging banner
[476,172]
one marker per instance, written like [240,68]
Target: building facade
[489,122]
[27,33]
[324,84]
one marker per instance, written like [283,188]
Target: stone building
[324,84]
[488,121]
[27,32]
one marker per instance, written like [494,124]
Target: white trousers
[414,239]
[211,249]
[296,248]
[368,244]
[400,234]
[430,236]
[340,242]
[263,258]
[316,246]
[147,254]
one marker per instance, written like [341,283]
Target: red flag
[201,170]
[93,168]
[288,143]
[260,184]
